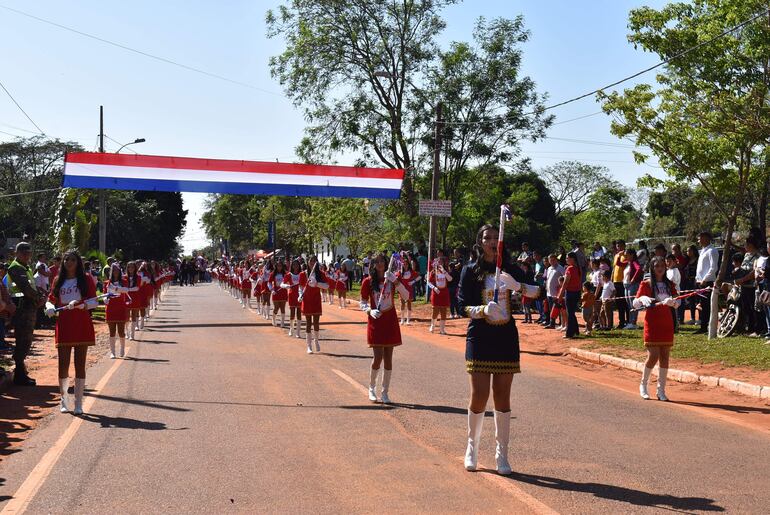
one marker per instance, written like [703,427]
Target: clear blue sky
[61,78]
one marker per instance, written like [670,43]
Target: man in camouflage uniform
[27,300]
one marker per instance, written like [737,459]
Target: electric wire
[21,108]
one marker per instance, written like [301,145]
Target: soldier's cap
[23,246]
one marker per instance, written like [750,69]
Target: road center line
[500,481]
[27,491]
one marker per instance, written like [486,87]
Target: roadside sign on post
[271,235]
[441,208]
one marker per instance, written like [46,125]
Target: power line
[140,52]
[29,192]
[579,118]
[121,144]
[21,108]
[626,79]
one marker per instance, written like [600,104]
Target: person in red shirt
[570,292]
[311,283]
[657,296]
[76,294]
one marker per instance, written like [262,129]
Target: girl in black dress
[492,344]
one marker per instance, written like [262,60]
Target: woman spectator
[632,277]
[570,292]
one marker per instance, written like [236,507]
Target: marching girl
[311,284]
[116,309]
[145,293]
[408,278]
[279,294]
[245,277]
[342,285]
[156,286]
[656,296]
[75,293]
[264,291]
[382,331]
[492,342]
[325,271]
[134,294]
[291,284]
[438,282]
[331,280]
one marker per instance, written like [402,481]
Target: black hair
[653,263]
[133,279]
[481,267]
[374,276]
[588,285]
[297,263]
[80,275]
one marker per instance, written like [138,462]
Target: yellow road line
[500,481]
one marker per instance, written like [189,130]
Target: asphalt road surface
[216,411]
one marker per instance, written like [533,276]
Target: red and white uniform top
[292,281]
[116,308]
[279,294]
[74,326]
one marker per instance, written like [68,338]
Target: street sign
[436,208]
[271,235]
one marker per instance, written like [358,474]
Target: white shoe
[373,373]
[662,377]
[442,326]
[630,326]
[80,386]
[309,343]
[112,347]
[431,327]
[502,437]
[402,321]
[63,387]
[385,385]
[475,423]
[643,384]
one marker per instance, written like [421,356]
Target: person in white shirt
[705,275]
[598,252]
[608,292]
[552,284]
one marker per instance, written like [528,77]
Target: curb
[681,376]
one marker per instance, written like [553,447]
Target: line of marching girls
[130,295]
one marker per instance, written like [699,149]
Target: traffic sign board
[436,208]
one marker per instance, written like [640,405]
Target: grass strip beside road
[733,351]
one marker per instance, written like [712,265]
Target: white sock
[122,348]
[112,346]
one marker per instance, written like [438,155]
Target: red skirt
[116,309]
[383,332]
[440,299]
[294,297]
[74,328]
[311,301]
[146,291]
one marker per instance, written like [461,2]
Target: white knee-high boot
[283,320]
[502,437]
[408,316]
[63,387]
[80,386]
[291,327]
[385,385]
[475,423]
[122,347]
[442,325]
[432,324]
[373,373]
[112,347]
[309,337]
[643,384]
[298,332]
[317,342]
[662,377]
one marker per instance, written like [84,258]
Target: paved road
[217,411]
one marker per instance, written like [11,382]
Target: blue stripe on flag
[293,190]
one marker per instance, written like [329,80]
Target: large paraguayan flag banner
[162,173]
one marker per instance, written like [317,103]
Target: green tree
[533,213]
[708,121]
[571,184]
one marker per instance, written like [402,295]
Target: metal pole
[102,196]
[434,182]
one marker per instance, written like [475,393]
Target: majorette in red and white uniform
[408,278]
[291,285]
[311,285]
[116,312]
[74,326]
[438,280]
[278,294]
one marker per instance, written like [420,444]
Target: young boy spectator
[587,301]
[607,294]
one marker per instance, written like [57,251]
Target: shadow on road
[4,497]
[126,423]
[619,493]
[165,328]
[726,407]
[158,342]
[344,323]
[354,356]
[542,353]
[138,402]
[440,409]
[147,360]
[22,403]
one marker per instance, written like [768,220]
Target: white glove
[390,276]
[642,302]
[312,282]
[671,302]
[494,311]
[364,306]
[375,313]
[71,305]
[50,309]
[509,282]
[285,286]
[436,290]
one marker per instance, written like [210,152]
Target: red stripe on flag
[226,165]
[499,254]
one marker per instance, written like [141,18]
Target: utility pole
[434,181]
[102,196]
